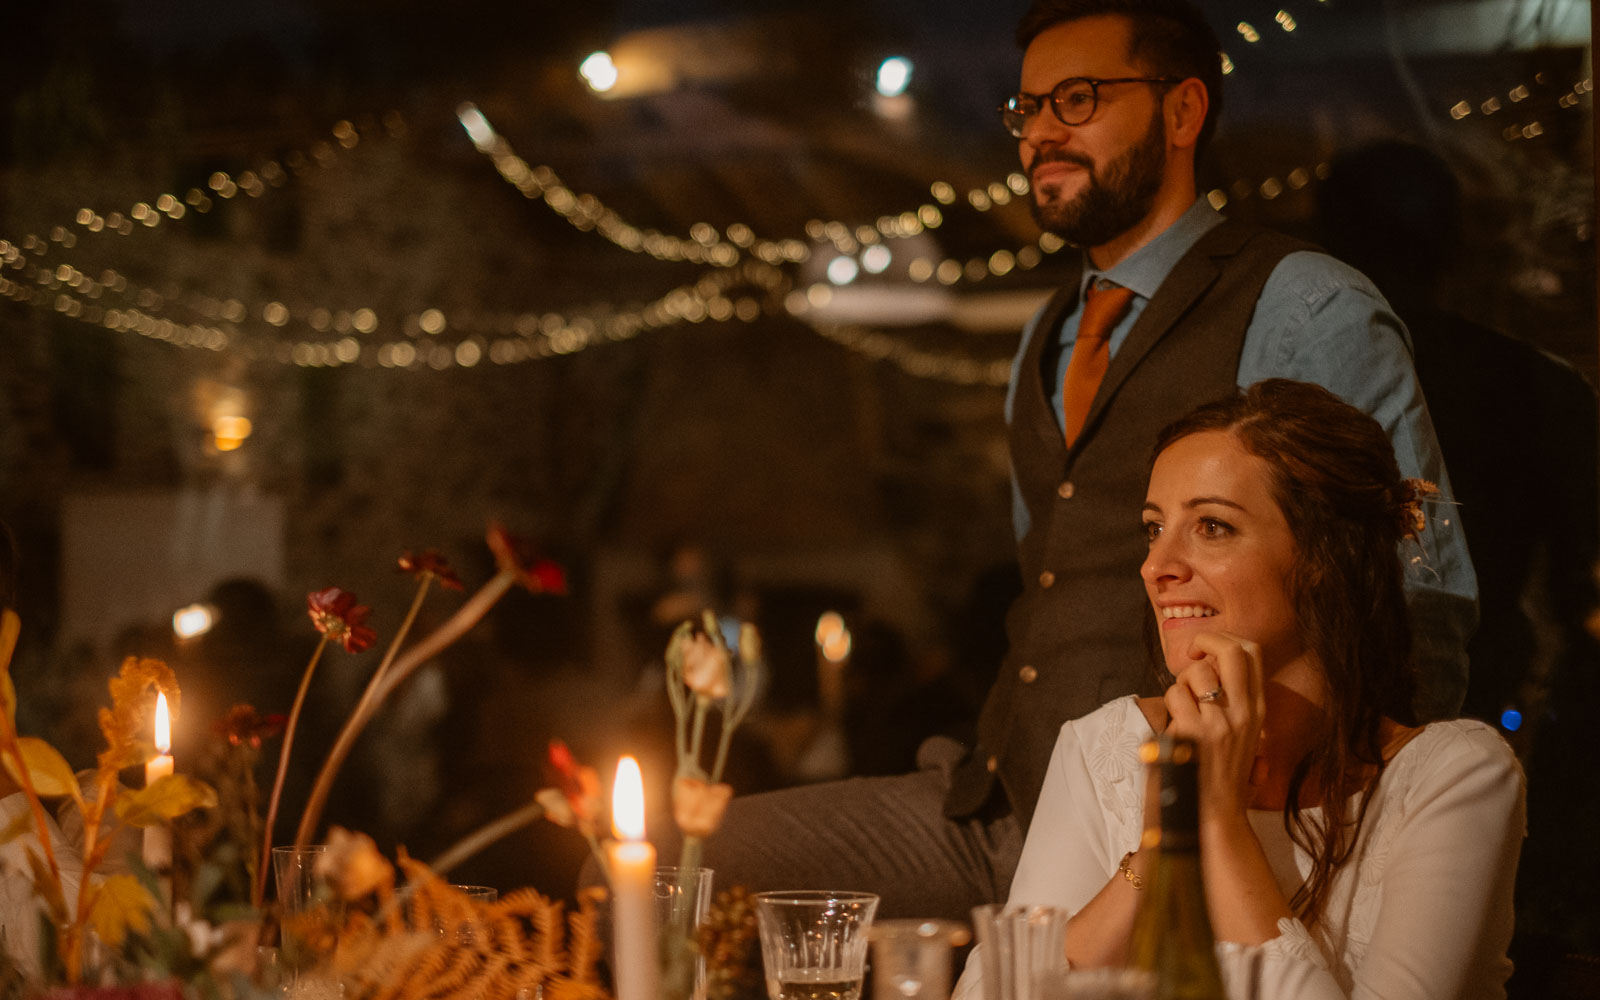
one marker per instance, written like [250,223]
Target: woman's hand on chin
[1218,702]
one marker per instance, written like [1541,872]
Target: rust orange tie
[1102,308]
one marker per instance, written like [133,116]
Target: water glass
[683,903]
[295,869]
[911,958]
[478,893]
[814,943]
[1023,951]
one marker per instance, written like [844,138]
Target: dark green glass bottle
[1172,932]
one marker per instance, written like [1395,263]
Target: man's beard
[1103,211]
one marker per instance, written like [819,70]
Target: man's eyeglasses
[1073,100]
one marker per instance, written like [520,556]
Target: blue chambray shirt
[1319,320]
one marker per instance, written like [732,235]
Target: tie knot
[1102,308]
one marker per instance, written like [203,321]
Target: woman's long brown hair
[1335,479]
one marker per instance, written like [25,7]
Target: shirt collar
[1147,267]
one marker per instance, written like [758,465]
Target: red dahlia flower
[430,561]
[336,615]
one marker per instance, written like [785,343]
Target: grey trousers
[883,835]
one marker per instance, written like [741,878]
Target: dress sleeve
[1445,916]
[1072,848]
[1069,854]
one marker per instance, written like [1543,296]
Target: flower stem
[323,786]
[283,768]
[465,848]
[485,835]
[436,642]
[696,738]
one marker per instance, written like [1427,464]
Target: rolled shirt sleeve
[1321,321]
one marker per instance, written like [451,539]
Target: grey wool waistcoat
[1077,632]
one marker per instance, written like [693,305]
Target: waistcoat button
[1066,489]
[1047,579]
[1028,675]
[993,764]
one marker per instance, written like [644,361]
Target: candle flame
[163,726]
[627,800]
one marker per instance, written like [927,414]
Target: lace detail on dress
[1113,758]
[1295,942]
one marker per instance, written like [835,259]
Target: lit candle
[633,867]
[158,838]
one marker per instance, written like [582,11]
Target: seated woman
[1344,853]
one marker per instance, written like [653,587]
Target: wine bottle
[1172,933]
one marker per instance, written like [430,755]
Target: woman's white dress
[1421,910]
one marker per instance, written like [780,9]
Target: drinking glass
[683,902]
[478,893]
[299,889]
[1023,951]
[911,958]
[296,875]
[814,943]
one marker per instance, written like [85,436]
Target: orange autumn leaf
[10,629]
[168,798]
[50,774]
[128,725]
[119,905]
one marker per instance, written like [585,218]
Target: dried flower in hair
[1414,491]
[431,562]
[336,615]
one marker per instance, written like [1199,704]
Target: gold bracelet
[1126,871]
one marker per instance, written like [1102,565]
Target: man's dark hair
[1170,38]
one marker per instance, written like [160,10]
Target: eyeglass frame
[1041,100]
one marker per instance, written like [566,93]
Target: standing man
[1170,306]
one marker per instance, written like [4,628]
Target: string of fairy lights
[1532,128]
[48,282]
[726,246]
[737,256]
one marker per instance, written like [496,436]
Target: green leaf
[170,797]
[119,905]
[51,775]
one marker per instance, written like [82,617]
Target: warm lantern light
[598,71]
[894,75]
[837,647]
[163,726]
[627,800]
[828,626]
[196,619]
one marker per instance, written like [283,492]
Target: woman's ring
[1212,695]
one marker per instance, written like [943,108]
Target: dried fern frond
[432,942]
